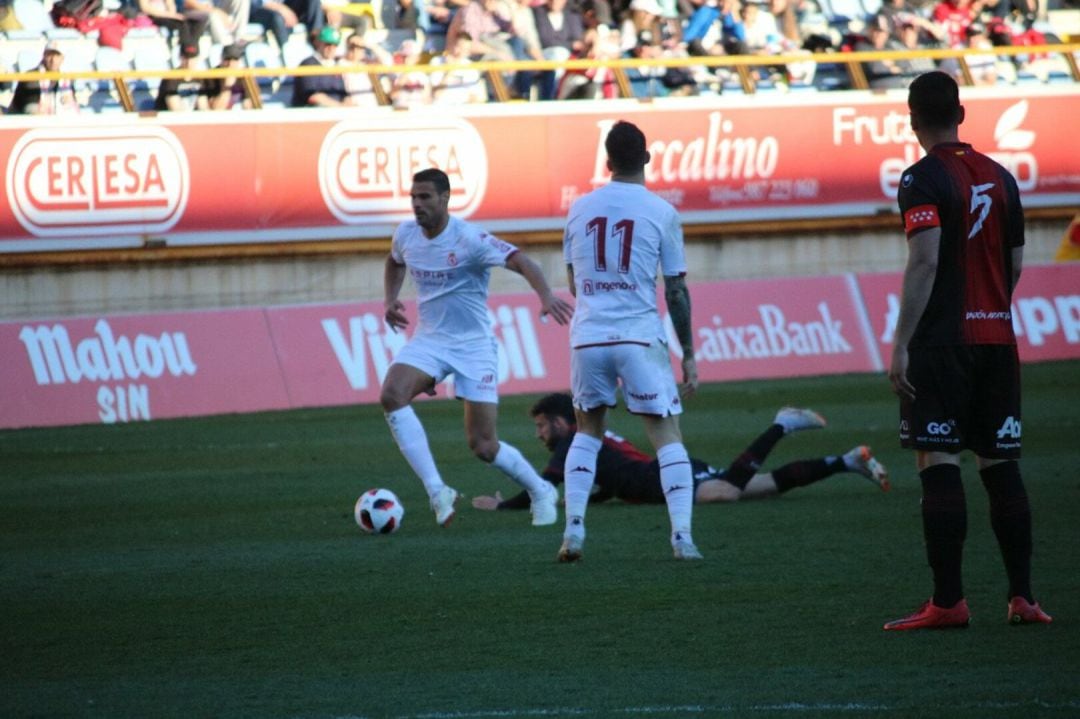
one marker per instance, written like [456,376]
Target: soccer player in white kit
[450,261]
[615,239]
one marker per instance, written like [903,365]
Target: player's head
[934,102]
[431,200]
[626,151]
[553,415]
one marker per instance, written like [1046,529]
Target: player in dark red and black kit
[954,364]
[625,472]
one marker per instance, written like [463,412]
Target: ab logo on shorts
[1011,429]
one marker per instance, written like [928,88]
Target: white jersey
[616,237]
[451,274]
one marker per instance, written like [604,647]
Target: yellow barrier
[741,64]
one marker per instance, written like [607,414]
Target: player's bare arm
[1017,265]
[918,283]
[393,278]
[522,264]
[677,297]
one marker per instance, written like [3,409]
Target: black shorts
[966,397]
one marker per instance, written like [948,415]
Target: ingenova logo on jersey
[366,165]
[97,180]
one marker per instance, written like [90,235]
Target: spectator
[642,16]
[489,25]
[226,17]
[462,86]
[225,93]
[182,94]
[602,42]
[188,24]
[882,73]
[562,32]
[981,64]
[360,85]
[277,18]
[955,16]
[412,87]
[911,39]
[321,90]
[45,97]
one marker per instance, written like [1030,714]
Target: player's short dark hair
[436,177]
[625,145]
[557,404]
[934,100]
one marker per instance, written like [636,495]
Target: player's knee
[485,448]
[392,399]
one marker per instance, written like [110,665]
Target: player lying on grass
[624,472]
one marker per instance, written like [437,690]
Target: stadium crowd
[79,35]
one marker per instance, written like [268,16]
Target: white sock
[412,441]
[677,481]
[513,464]
[580,470]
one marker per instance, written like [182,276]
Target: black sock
[944,515]
[1010,516]
[806,471]
[747,464]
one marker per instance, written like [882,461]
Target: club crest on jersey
[907,179]
[586,287]
[451,259]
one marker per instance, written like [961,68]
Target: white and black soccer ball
[379,511]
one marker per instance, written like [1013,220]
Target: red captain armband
[921,217]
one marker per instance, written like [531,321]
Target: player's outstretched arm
[522,264]
[677,298]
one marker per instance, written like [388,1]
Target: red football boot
[1023,612]
[931,616]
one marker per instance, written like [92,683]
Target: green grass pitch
[211,568]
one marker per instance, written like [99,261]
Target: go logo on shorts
[940,429]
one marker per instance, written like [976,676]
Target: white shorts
[475,369]
[648,384]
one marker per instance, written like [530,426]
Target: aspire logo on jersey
[365,167]
[97,181]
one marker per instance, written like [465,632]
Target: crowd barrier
[123,368]
[176,180]
[751,73]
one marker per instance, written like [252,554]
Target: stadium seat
[295,51]
[262,54]
[32,15]
[14,42]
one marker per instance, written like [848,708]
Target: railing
[742,65]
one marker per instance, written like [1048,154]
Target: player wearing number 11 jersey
[954,363]
[615,240]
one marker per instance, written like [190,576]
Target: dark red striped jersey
[976,203]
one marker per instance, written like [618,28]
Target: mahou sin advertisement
[118,180]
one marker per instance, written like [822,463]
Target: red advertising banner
[1045,311]
[141,367]
[283,175]
[137,367]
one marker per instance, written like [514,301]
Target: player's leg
[403,381]
[649,389]
[802,473]
[997,445]
[592,383]
[480,430]
[676,481]
[935,425]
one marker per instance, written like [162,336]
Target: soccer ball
[378,511]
